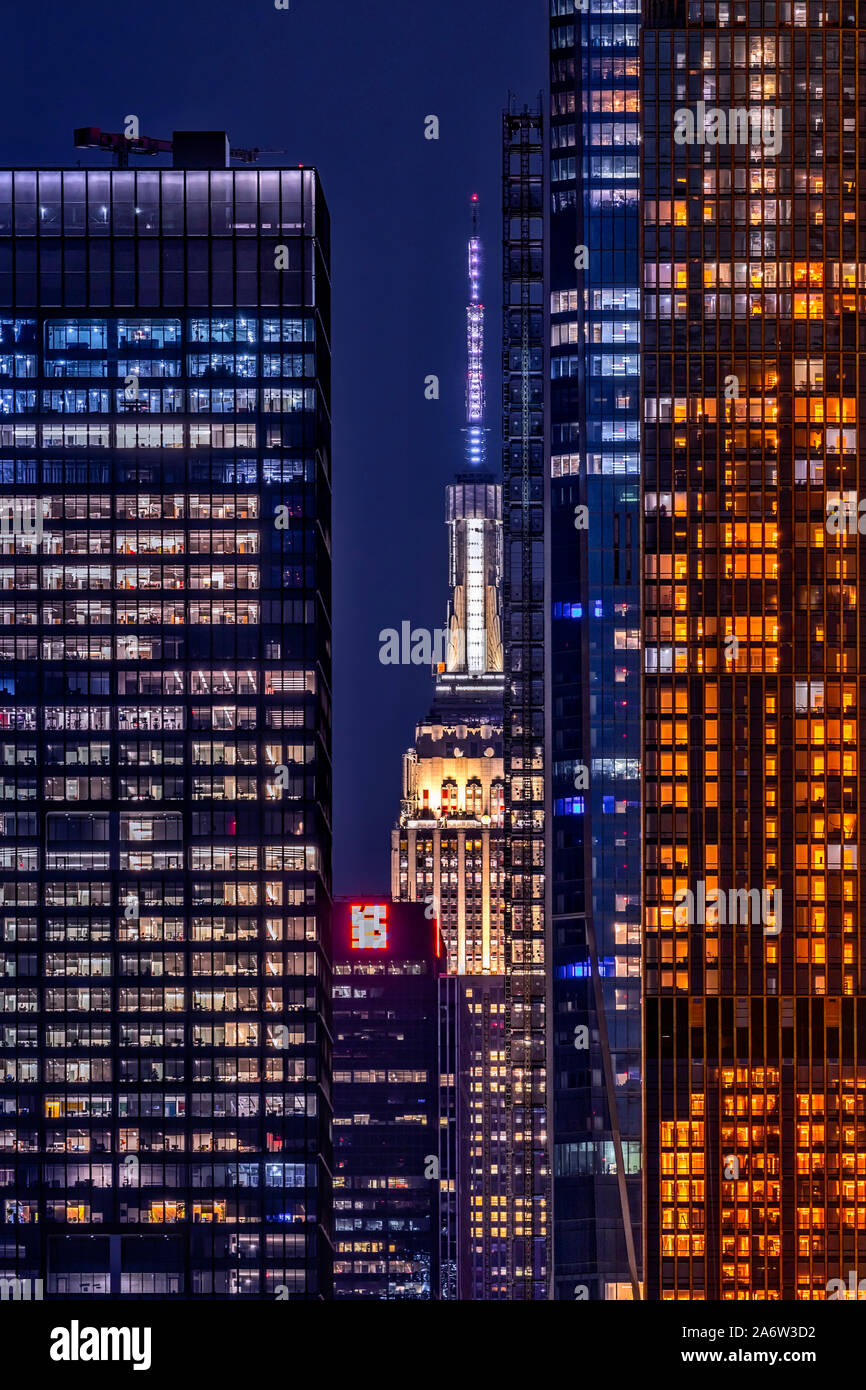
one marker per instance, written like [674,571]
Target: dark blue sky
[344,86]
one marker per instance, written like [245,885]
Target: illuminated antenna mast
[476,434]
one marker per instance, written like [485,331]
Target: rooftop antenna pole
[476,434]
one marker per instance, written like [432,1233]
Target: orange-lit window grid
[794,587]
[747,1187]
[750,1217]
[830,1129]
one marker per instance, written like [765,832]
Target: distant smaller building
[387,964]
[473,1133]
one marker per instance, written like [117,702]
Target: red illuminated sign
[370,928]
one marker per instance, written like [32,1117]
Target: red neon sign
[370,927]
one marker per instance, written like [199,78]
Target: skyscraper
[166,856]
[387,962]
[524,597]
[594,662]
[447,850]
[753,330]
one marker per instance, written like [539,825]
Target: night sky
[345,87]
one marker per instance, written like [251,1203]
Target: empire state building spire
[473,662]
[476,434]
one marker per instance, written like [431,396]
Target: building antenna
[476,434]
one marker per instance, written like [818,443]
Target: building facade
[594,662]
[524,596]
[387,961]
[474,1184]
[753,129]
[165,891]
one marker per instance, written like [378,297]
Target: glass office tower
[523,607]
[166,854]
[754,329]
[594,662]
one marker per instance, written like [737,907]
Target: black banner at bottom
[217,1341]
